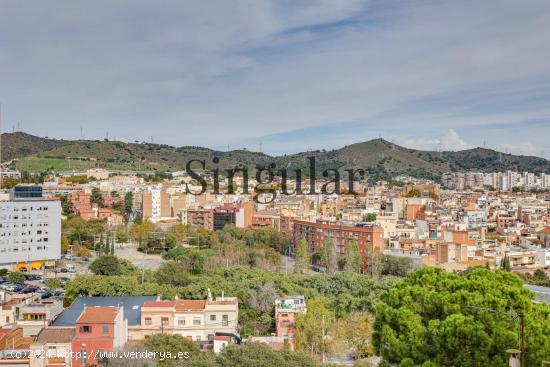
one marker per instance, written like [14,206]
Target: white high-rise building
[30,232]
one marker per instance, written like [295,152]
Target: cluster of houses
[41,333]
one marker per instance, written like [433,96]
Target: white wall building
[30,232]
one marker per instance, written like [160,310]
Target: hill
[379,157]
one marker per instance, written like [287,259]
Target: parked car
[12,287]
[29,289]
[59,294]
[46,295]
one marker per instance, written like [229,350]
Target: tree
[414,193]
[64,244]
[302,257]
[128,206]
[52,283]
[16,277]
[370,217]
[112,265]
[173,344]
[354,261]
[140,232]
[97,198]
[258,354]
[506,263]
[327,255]
[312,327]
[428,317]
[354,332]
[121,236]
[172,273]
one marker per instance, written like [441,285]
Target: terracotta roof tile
[97,315]
[56,335]
[190,305]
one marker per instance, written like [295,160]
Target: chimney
[223,296]
[209,295]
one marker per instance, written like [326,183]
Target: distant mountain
[379,157]
[19,144]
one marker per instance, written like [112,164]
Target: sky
[281,76]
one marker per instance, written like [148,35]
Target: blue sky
[292,75]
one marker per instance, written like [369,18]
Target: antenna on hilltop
[81,133]
[260,147]
[18,125]
[107,136]
[152,141]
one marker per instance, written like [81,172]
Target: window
[198,338]
[212,317]
[196,321]
[147,321]
[164,321]
[225,320]
[85,329]
[105,329]
[181,322]
[210,337]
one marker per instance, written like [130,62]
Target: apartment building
[369,238]
[30,229]
[156,204]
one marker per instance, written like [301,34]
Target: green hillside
[380,158]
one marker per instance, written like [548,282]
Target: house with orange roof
[98,330]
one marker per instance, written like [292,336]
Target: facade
[224,215]
[370,239]
[198,320]
[98,329]
[52,347]
[30,230]
[286,310]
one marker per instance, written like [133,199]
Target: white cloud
[452,141]
[214,72]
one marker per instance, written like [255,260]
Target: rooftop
[56,335]
[132,308]
[98,315]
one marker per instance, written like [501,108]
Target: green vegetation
[428,317]
[16,277]
[379,158]
[37,164]
[52,283]
[112,265]
[255,288]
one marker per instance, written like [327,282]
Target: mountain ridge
[378,157]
